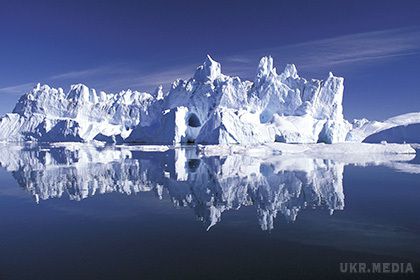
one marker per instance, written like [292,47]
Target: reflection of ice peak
[208,185]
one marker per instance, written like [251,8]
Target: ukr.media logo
[362,267]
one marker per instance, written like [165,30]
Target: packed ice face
[209,108]
[212,108]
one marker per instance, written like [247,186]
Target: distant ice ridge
[399,129]
[209,108]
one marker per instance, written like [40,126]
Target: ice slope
[362,129]
[209,108]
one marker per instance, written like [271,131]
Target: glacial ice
[209,108]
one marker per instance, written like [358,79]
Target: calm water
[123,213]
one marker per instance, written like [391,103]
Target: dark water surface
[88,213]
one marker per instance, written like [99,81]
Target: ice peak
[41,87]
[290,71]
[158,94]
[209,59]
[208,71]
[78,87]
[81,93]
[265,68]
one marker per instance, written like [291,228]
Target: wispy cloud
[106,70]
[80,73]
[318,56]
[238,59]
[121,76]
[16,89]
[347,49]
[101,74]
[154,79]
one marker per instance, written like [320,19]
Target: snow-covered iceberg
[209,108]
[50,115]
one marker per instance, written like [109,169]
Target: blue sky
[117,45]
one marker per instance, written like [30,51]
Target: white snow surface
[209,108]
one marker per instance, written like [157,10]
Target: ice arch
[193,120]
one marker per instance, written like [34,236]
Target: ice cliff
[209,108]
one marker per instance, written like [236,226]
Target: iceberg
[209,108]
[47,114]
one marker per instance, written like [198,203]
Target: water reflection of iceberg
[208,185]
